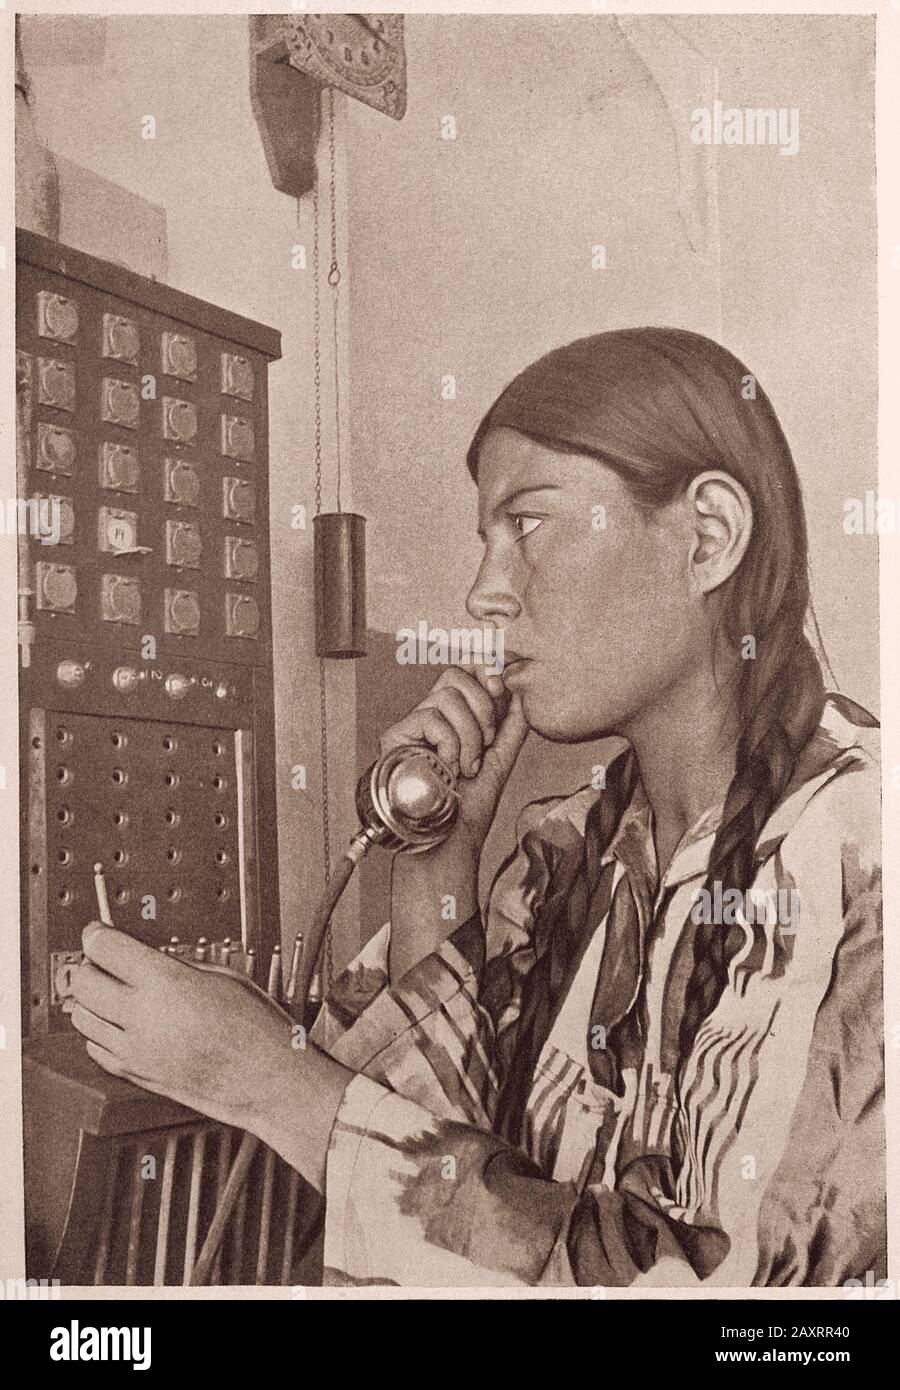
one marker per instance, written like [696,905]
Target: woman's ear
[722,522]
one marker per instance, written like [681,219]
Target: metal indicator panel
[146,678]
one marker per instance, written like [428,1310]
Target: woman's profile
[654,1054]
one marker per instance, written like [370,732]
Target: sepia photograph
[446,528]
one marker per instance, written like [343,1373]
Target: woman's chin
[554,721]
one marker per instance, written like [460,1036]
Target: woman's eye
[524,524]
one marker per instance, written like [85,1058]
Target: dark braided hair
[659,406]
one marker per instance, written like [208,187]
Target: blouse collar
[841,739]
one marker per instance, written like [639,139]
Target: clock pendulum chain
[334,277]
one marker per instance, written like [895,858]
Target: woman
[657,1058]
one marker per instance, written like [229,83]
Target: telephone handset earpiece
[408,799]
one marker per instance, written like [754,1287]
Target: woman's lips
[514,664]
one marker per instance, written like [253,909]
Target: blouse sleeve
[435,1037]
[416,1200]
[822,1219]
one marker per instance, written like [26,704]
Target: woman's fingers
[473,688]
[111,1061]
[457,710]
[104,1058]
[460,701]
[98,1030]
[119,954]
[489,678]
[428,723]
[99,993]
[506,714]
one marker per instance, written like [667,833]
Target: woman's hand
[469,721]
[197,1036]
[477,730]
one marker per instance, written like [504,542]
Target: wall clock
[292,57]
[360,54]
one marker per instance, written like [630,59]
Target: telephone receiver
[407,799]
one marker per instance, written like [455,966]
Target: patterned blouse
[522,1114]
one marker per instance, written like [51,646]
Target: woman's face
[592,594]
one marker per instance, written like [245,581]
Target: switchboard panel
[145,621]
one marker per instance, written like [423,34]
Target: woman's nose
[491,596]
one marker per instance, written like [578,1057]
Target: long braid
[783,703]
[560,940]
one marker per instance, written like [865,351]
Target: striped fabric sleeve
[427,1038]
[433,1038]
[823,1221]
[412,1199]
